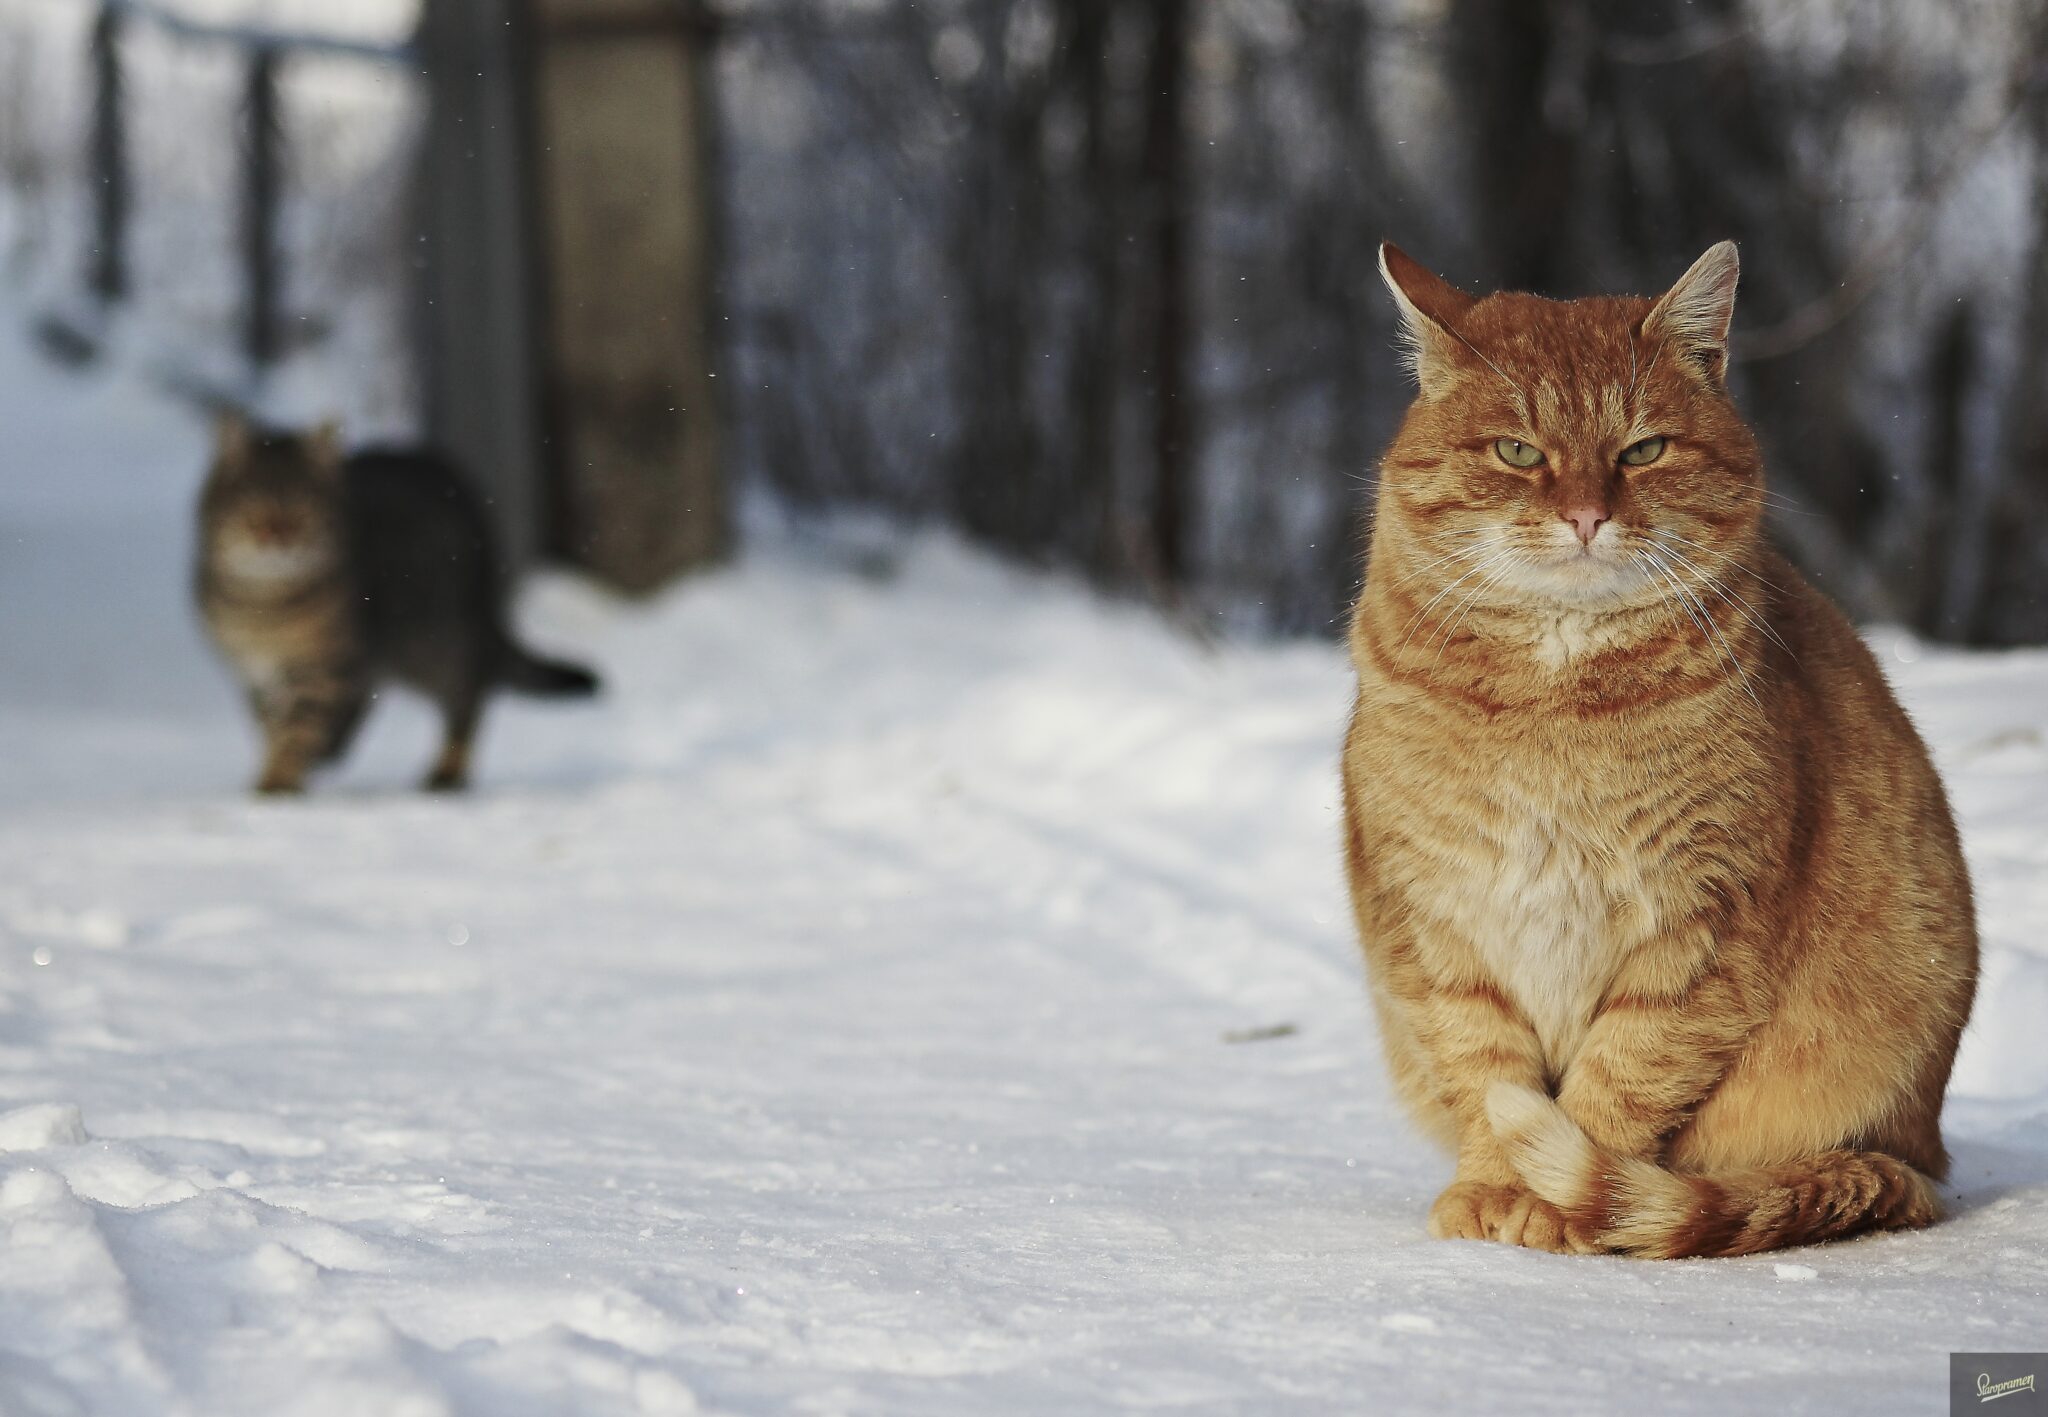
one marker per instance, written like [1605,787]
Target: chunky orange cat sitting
[1667,926]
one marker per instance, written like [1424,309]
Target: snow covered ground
[863,1009]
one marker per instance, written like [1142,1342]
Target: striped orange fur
[1669,932]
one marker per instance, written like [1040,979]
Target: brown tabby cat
[321,577]
[1669,933]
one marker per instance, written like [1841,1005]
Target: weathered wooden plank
[625,192]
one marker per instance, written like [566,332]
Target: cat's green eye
[1644,453]
[1516,453]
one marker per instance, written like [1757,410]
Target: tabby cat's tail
[1634,1207]
[525,672]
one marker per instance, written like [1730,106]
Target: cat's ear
[1428,304]
[232,438]
[1692,317]
[323,449]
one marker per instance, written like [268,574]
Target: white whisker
[1727,561]
[1706,621]
[1738,604]
[1684,604]
[1463,553]
[1508,563]
[1423,613]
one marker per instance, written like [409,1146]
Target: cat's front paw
[1534,1223]
[1473,1210]
[1513,1215]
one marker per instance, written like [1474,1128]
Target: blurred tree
[1093,279]
[1145,337]
[2004,599]
[1069,246]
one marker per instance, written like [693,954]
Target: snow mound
[43,1125]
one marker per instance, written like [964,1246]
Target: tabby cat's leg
[342,731]
[1666,1032]
[299,717]
[459,714]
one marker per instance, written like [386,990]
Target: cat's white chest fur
[1570,635]
[1545,927]
[265,673]
[266,566]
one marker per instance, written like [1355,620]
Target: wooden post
[261,181]
[480,308]
[107,268]
[625,190]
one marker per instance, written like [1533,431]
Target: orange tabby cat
[1669,933]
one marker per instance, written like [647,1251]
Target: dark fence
[259,136]
[1093,281]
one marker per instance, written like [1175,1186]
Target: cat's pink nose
[1587,521]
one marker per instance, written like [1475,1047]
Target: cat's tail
[1634,1207]
[525,672]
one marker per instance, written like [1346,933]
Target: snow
[835,1019]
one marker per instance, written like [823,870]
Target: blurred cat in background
[323,577]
